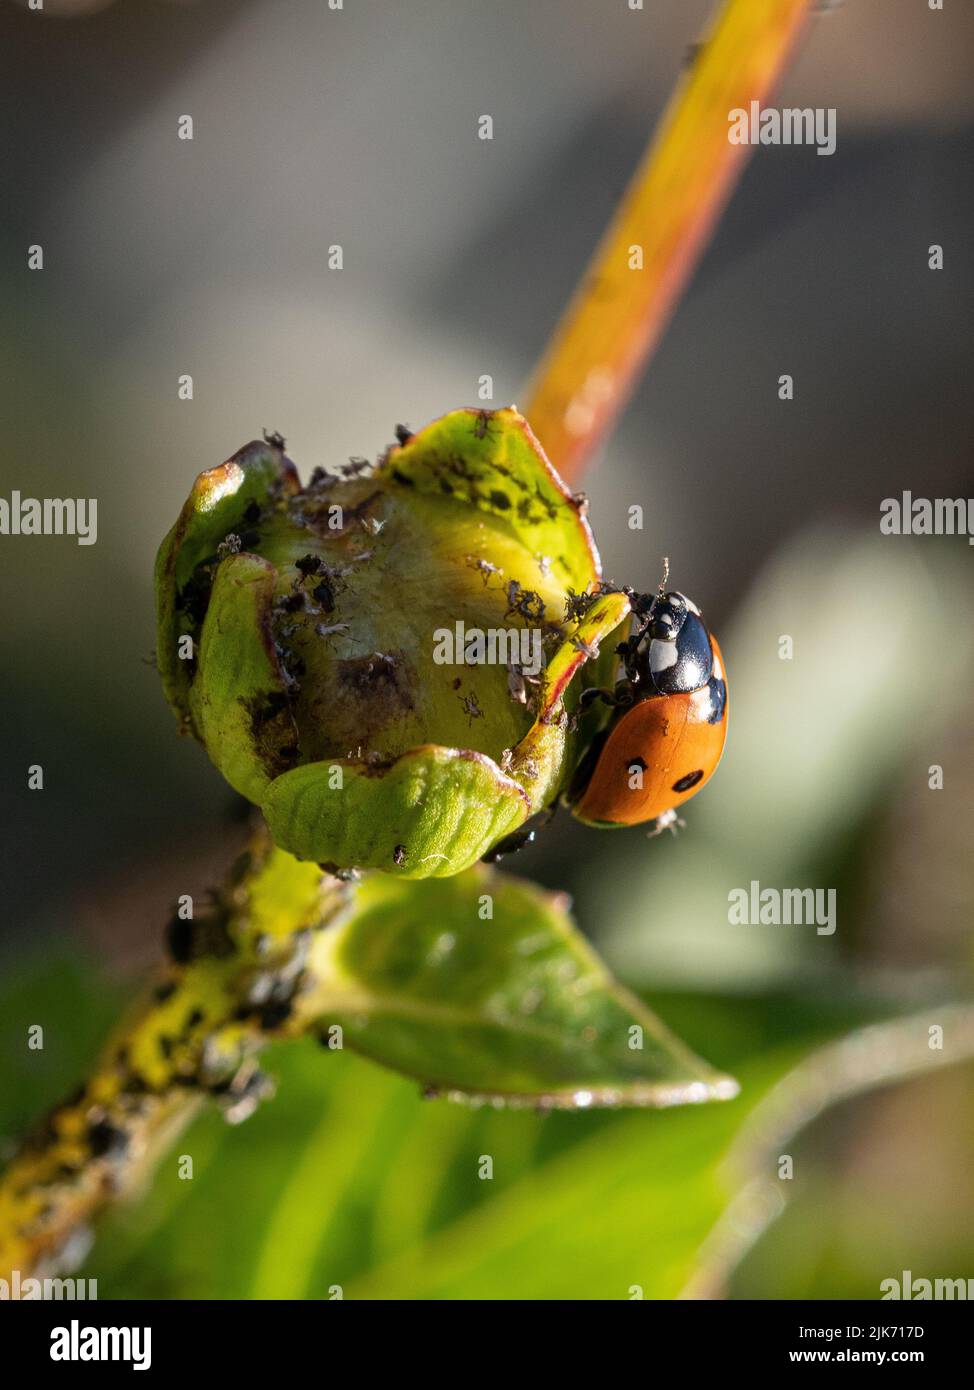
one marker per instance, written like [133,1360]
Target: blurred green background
[359,127]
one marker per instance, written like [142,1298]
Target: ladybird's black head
[675,653]
[666,616]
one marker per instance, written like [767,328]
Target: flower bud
[383,659]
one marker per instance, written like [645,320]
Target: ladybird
[667,732]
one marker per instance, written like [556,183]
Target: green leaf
[334,1178]
[512,1007]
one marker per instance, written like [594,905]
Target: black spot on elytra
[690,780]
[718,700]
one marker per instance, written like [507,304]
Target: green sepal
[492,460]
[541,761]
[239,701]
[259,472]
[589,722]
[429,813]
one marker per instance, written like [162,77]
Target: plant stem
[621,308]
[248,970]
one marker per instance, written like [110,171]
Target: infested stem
[247,971]
[623,304]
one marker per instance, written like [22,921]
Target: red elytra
[670,742]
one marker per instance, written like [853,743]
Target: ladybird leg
[526,835]
[594,692]
[629,650]
[618,698]
[510,845]
[670,821]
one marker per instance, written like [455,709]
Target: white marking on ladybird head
[718,669]
[662,655]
